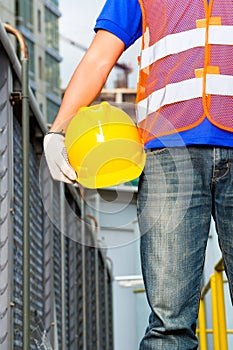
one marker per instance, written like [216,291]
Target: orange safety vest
[186,66]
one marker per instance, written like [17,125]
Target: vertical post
[83,242]
[202,325]
[215,313]
[221,310]
[97,211]
[62,231]
[106,303]
[26,222]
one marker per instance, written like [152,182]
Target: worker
[185,117]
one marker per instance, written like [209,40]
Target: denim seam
[216,178]
[157,151]
[226,263]
[200,287]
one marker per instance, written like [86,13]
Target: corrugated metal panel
[57,265]
[18,240]
[5,203]
[110,312]
[47,195]
[67,291]
[91,318]
[72,297]
[36,244]
[102,304]
[79,297]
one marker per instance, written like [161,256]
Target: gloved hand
[57,159]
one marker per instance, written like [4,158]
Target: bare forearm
[89,77]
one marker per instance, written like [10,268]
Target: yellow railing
[219,329]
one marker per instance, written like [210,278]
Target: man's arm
[85,85]
[89,77]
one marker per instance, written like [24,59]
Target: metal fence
[70,279]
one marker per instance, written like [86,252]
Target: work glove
[57,159]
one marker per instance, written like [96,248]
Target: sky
[77,23]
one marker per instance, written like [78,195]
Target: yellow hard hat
[104,146]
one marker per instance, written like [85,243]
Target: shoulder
[122,18]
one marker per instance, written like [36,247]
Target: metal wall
[70,279]
[6,208]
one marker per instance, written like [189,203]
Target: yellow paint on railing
[215,313]
[219,331]
[221,309]
[202,326]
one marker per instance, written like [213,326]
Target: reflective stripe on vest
[183,91]
[186,73]
[175,43]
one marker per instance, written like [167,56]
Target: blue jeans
[179,190]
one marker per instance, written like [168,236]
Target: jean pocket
[156,151]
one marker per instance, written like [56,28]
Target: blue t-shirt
[123,18]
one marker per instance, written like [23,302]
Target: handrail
[16,65]
[26,220]
[20,38]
